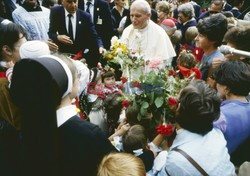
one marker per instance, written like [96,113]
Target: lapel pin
[80,22]
[97,9]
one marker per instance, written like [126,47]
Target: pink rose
[155,63]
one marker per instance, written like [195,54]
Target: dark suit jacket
[102,11]
[235,12]
[203,15]
[86,36]
[184,28]
[82,146]
[227,7]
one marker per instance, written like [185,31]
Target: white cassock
[152,42]
[36,23]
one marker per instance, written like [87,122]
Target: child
[190,36]
[135,142]
[108,79]
[113,108]
[119,164]
[186,64]
[92,102]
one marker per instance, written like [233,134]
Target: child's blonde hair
[119,164]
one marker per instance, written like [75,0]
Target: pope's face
[139,18]
[70,5]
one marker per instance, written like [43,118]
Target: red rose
[165,129]
[123,79]
[125,103]
[172,101]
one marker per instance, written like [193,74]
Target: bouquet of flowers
[128,61]
[151,87]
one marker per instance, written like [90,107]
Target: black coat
[82,146]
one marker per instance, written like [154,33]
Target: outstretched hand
[64,39]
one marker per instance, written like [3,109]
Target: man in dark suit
[72,30]
[101,17]
[226,6]
[237,6]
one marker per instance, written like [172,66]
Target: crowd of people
[61,106]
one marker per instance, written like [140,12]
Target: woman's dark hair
[234,74]
[199,107]
[134,139]
[10,34]
[107,75]
[214,28]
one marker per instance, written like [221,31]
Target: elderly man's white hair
[142,4]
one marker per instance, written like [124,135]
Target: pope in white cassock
[145,37]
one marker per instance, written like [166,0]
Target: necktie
[88,4]
[70,28]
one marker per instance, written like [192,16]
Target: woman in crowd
[164,11]
[118,12]
[185,18]
[198,107]
[12,36]
[232,81]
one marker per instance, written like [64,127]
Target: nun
[55,141]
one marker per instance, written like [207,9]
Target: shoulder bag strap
[192,161]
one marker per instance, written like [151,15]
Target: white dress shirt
[73,21]
[91,8]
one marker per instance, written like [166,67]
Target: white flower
[119,51]
[114,39]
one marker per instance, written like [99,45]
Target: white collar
[65,113]
[235,8]
[188,21]
[66,14]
